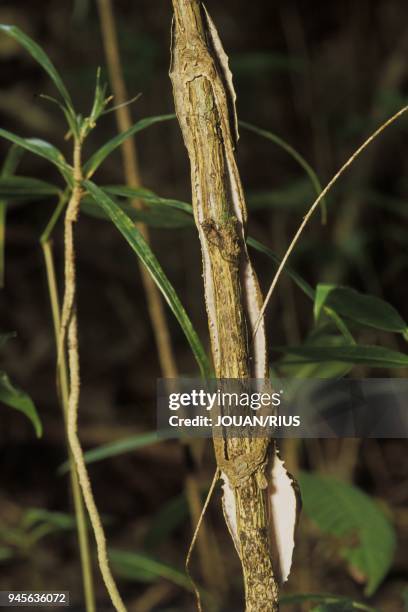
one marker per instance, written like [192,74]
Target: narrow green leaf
[97,158]
[143,568]
[364,309]
[25,188]
[113,449]
[42,149]
[18,399]
[127,228]
[373,356]
[296,156]
[344,511]
[40,56]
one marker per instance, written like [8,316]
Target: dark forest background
[322,75]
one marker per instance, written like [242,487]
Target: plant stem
[69,329]
[62,382]
[204,102]
[62,202]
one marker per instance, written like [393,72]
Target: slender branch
[204,101]
[69,328]
[62,202]
[316,204]
[62,384]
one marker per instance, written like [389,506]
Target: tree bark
[204,101]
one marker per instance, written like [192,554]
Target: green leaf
[367,538]
[18,399]
[296,156]
[42,149]
[127,228]
[374,356]
[364,309]
[40,56]
[113,449]
[325,599]
[25,188]
[143,568]
[97,158]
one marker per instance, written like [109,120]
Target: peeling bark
[205,107]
